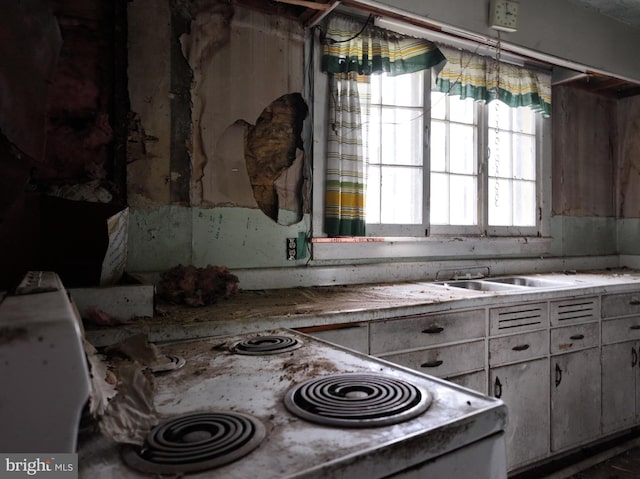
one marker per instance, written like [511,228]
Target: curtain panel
[483,79]
[352,51]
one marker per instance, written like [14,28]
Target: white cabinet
[575,372]
[620,385]
[446,345]
[575,398]
[568,369]
[518,374]
[620,363]
[524,387]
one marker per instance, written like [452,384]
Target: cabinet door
[575,398]
[525,390]
[619,372]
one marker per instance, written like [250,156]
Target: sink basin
[529,282]
[478,285]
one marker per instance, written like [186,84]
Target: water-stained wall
[583,173]
[629,176]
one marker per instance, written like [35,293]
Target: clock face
[505,15]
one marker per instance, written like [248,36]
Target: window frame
[481,157]
[436,246]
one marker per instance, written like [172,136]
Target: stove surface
[216,378]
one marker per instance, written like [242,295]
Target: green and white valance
[474,76]
[350,46]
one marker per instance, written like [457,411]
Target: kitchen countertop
[317,306]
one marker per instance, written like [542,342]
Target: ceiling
[625,11]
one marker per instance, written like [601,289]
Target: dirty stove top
[300,407]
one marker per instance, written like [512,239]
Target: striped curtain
[352,51]
[474,76]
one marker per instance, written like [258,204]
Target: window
[437,164]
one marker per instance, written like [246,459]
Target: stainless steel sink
[480,285]
[528,282]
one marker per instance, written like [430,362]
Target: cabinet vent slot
[583,310]
[575,310]
[518,318]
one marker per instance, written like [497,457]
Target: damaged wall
[583,173]
[245,64]
[629,176]
[245,73]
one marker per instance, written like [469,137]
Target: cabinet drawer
[622,304]
[624,329]
[575,310]
[514,319]
[476,381]
[518,347]
[443,361]
[426,330]
[355,336]
[574,337]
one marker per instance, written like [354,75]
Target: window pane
[524,203]
[438,146]
[403,90]
[500,154]
[500,202]
[439,199]
[463,200]
[371,143]
[401,140]
[500,112]
[523,150]
[461,110]
[401,195]
[462,146]
[438,105]
[524,120]
[372,197]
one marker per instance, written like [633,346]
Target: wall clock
[503,15]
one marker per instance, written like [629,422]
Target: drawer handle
[634,357]
[634,302]
[521,347]
[431,364]
[433,330]
[576,337]
[635,326]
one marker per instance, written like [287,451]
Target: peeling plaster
[210,30]
[272,146]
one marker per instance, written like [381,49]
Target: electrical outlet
[292,249]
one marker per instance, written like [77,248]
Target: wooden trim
[307,4]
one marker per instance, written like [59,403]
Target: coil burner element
[196,442]
[357,400]
[263,345]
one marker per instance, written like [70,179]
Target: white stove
[281,404]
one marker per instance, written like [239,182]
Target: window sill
[431,247]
